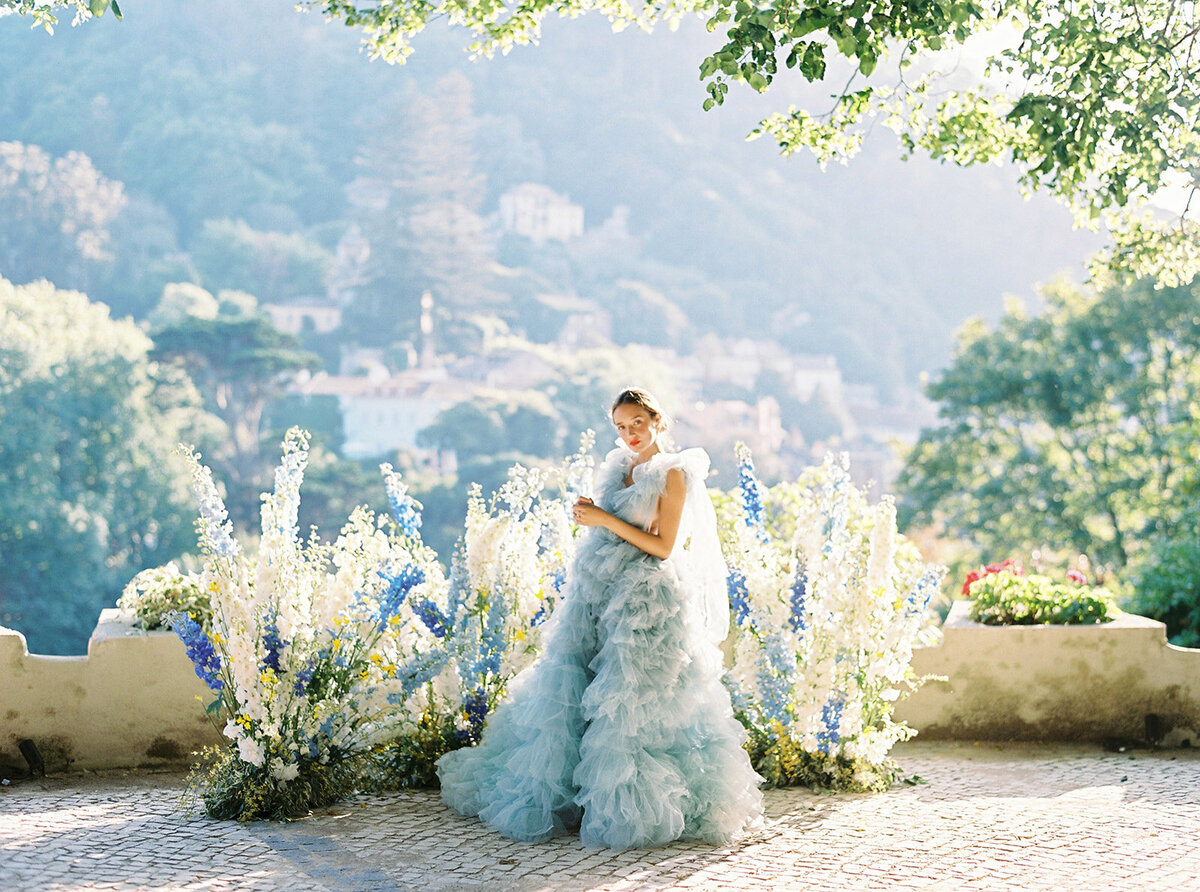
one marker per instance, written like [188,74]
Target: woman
[622,728]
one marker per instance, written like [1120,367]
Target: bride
[622,729]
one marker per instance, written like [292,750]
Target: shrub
[1166,582]
[154,594]
[1007,598]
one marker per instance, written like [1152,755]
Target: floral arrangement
[356,663]
[828,602]
[1002,594]
[316,652]
[153,595]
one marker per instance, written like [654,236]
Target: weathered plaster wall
[130,702]
[1062,683]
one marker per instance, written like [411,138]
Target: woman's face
[637,429]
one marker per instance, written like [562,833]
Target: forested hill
[224,110]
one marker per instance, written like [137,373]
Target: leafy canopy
[90,492]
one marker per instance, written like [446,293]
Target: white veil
[698,560]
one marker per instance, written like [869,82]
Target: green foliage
[1010,599]
[524,422]
[1165,582]
[90,489]
[1069,431]
[240,363]
[411,761]
[154,594]
[423,223]
[230,789]
[782,762]
[43,11]
[275,267]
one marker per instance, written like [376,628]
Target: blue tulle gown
[622,729]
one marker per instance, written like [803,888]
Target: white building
[810,372]
[381,415]
[305,315]
[540,214]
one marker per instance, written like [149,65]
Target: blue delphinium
[739,596]
[557,581]
[435,621]
[751,494]
[918,599]
[399,585]
[799,616]
[200,650]
[303,677]
[273,645]
[831,717]
[475,707]
[405,508]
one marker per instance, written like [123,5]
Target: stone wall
[131,702]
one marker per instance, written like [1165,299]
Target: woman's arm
[670,511]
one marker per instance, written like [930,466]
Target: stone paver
[984,817]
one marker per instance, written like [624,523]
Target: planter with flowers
[1028,657]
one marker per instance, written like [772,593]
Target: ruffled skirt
[622,730]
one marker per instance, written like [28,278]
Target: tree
[1071,431]
[423,218]
[524,423]
[91,493]
[274,266]
[239,363]
[54,215]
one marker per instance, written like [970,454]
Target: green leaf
[97,7]
[214,707]
[117,11]
[867,63]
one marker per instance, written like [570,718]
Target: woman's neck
[640,459]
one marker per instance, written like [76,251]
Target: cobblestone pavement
[977,817]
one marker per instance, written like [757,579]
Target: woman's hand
[586,513]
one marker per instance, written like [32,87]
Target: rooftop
[994,817]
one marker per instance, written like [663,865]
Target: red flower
[1010,566]
[1076,577]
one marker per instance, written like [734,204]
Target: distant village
[383,408]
